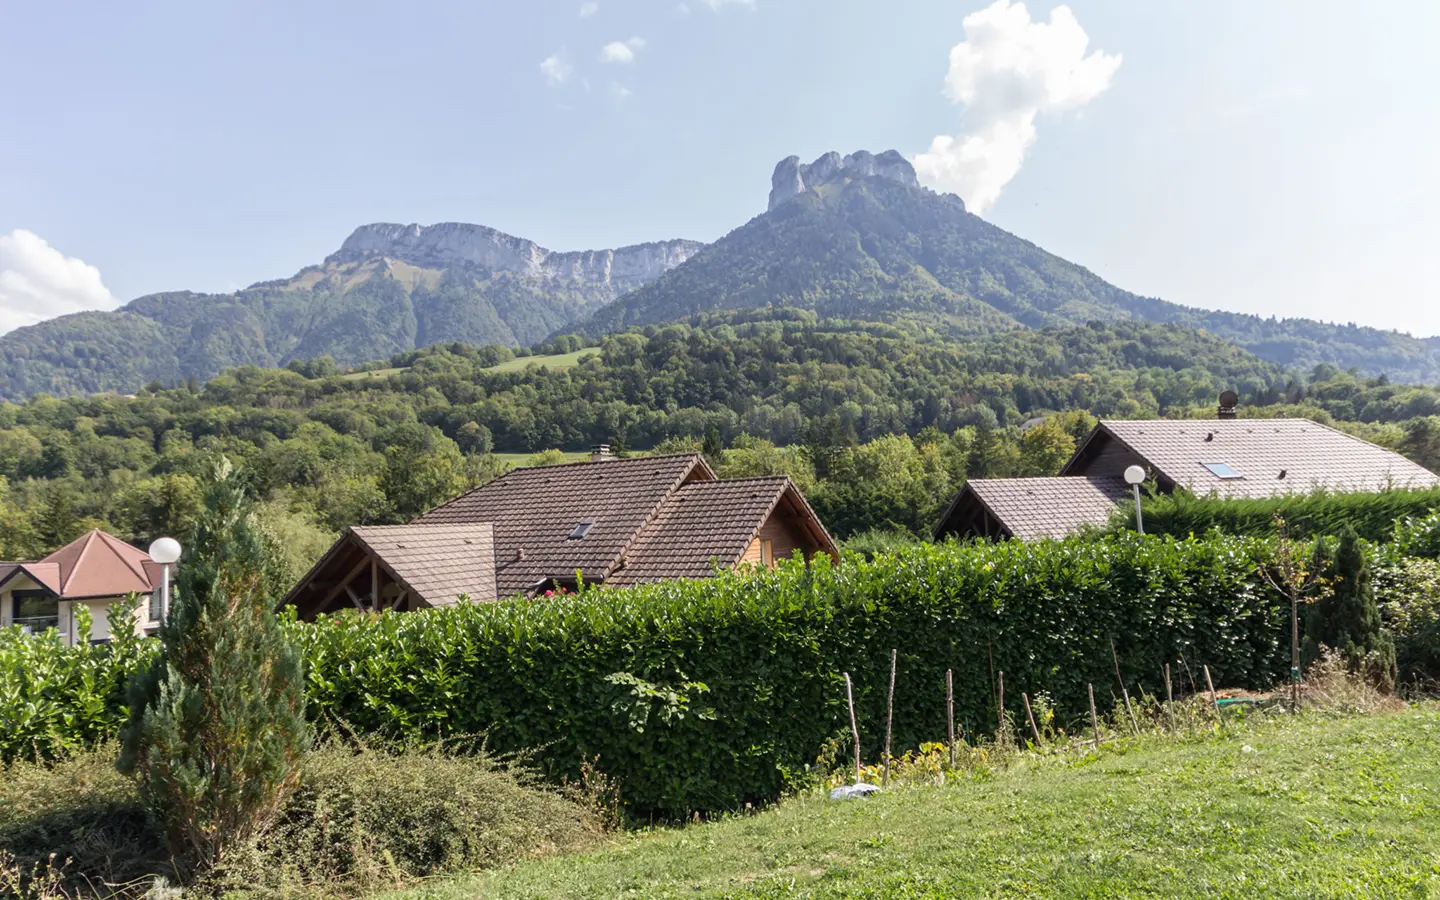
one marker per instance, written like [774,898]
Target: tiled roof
[437,562]
[1048,507]
[1311,456]
[101,565]
[698,525]
[537,509]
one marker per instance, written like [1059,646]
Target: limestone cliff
[792,177]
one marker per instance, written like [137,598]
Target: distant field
[554,361]
[1323,807]
[375,373]
[520,459]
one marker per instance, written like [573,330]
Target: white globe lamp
[1135,476]
[166,552]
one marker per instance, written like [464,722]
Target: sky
[1275,158]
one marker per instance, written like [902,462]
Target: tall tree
[217,726]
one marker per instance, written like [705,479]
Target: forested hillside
[871,248]
[879,425]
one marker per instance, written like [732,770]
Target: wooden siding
[1109,462]
[785,536]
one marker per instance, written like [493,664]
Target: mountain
[389,288]
[858,238]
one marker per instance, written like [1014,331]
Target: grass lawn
[1315,807]
[554,361]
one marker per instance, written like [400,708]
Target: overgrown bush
[1418,536]
[1373,516]
[360,819]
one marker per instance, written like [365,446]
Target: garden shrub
[1418,536]
[1409,595]
[1372,515]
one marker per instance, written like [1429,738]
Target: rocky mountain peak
[793,177]
[460,244]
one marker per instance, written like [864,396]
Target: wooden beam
[344,582]
[355,598]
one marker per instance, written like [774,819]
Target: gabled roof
[437,563]
[536,510]
[702,524]
[1311,456]
[1032,508]
[94,565]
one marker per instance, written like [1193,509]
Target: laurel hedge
[706,695]
[1372,515]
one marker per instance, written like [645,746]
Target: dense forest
[878,425]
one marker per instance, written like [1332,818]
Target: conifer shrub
[1345,616]
[217,725]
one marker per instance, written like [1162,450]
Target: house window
[580,530]
[1222,470]
[35,611]
[767,553]
[154,606]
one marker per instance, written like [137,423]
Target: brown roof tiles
[437,563]
[1032,508]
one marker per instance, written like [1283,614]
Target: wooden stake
[889,720]
[1000,709]
[1123,692]
[1031,716]
[1213,699]
[854,729]
[1094,718]
[950,713]
[1169,698]
[1190,675]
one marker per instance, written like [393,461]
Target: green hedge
[707,695]
[1307,515]
[771,650]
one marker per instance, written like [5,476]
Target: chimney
[601,453]
[1228,401]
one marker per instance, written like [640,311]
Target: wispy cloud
[622,52]
[38,282]
[1008,71]
[589,9]
[721,4]
[555,69]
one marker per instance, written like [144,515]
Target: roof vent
[520,555]
[1209,436]
[1228,401]
[601,453]
[1282,474]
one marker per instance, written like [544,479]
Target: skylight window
[580,530]
[1222,470]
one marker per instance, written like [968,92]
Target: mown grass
[1315,806]
[553,361]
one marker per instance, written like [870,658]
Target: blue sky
[1278,158]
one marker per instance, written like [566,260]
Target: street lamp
[1135,476]
[165,551]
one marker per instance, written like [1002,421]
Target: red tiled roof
[1033,508]
[536,509]
[436,562]
[1311,455]
[700,525]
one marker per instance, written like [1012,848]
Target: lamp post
[165,551]
[1135,476]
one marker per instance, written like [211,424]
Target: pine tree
[1346,618]
[217,726]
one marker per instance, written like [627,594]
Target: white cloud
[621,51]
[720,4]
[1007,71]
[589,9]
[555,69]
[38,282]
